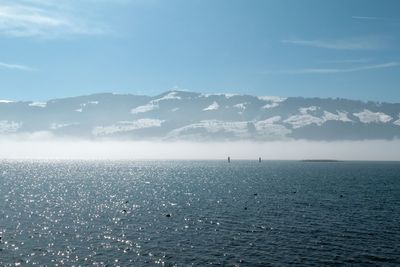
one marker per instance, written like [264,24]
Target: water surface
[179,213]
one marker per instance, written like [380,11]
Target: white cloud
[356,43]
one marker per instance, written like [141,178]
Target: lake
[180,213]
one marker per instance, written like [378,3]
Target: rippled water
[198,213]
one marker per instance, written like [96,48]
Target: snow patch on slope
[84,105]
[145,108]
[126,126]
[397,122]
[56,126]
[38,104]
[241,106]
[226,95]
[171,95]
[239,128]
[3,101]
[305,119]
[306,110]
[272,98]
[213,106]
[340,116]
[274,101]
[298,121]
[368,116]
[154,104]
[266,128]
[269,129]
[7,127]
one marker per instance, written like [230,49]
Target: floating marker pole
[259,159]
[229,159]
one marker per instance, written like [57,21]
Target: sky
[312,48]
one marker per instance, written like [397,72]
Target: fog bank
[49,148]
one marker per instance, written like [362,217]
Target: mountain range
[183,115]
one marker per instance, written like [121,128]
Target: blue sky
[323,48]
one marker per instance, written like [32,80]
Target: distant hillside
[180,115]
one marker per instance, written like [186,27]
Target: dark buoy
[341,196]
[229,159]
[245,208]
[255,194]
[168,215]
[126,202]
[124,211]
[259,159]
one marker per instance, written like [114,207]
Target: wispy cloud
[346,61]
[336,70]
[16,67]
[374,18]
[42,18]
[359,43]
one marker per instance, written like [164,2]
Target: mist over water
[47,147]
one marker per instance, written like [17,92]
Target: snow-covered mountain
[181,115]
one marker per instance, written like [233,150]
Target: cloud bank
[45,147]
